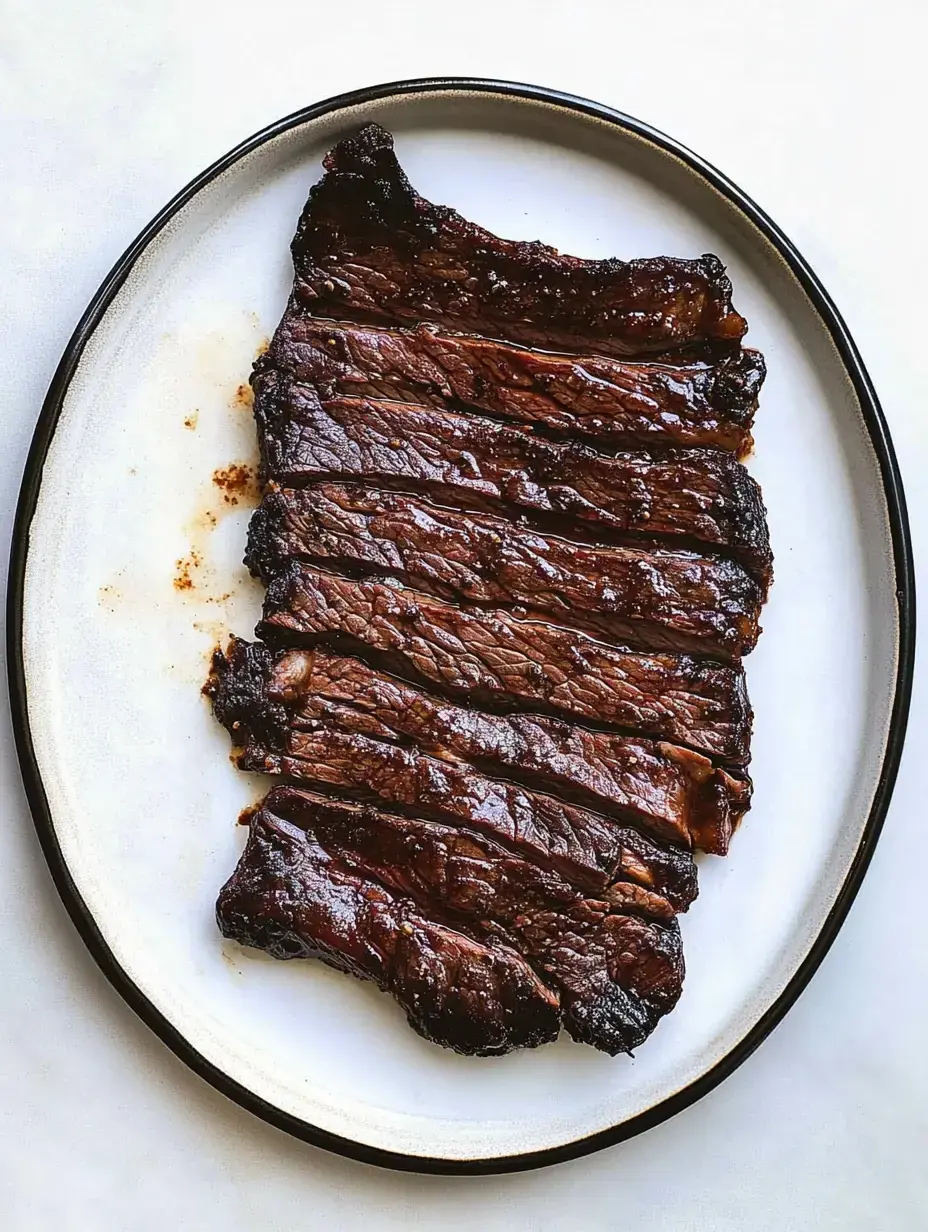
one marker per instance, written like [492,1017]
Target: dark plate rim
[905,595]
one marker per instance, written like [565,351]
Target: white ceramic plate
[130,781]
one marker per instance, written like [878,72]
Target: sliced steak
[513,562]
[697,498]
[368,246]
[498,662]
[610,402]
[290,897]
[616,974]
[654,598]
[584,846]
[673,793]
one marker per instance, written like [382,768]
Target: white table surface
[815,108]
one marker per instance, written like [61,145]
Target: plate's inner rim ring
[893,494]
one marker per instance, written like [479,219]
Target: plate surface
[126,572]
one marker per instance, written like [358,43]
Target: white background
[817,110]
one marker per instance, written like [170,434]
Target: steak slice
[611,402]
[585,847]
[696,497]
[367,245]
[555,834]
[616,974]
[672,793]
[493,660]
[656,598]
[290,897]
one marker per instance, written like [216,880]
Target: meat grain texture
[513,561]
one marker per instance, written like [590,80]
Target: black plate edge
[905,595]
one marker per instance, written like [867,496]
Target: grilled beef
[673,793]
[655,597]
[616,974]
[501,663]
[369,247]
[586,847]
[610,402]
[689,497]
[291,897]
[508,593]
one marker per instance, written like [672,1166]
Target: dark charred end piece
[260,550]
[622,999]
[750,535]
[369,247]
[738,382]
[290,898]
[237,685]
[484,951]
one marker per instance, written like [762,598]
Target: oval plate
[126,571]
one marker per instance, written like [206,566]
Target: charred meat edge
[292,899]
[616,975]
[368,246]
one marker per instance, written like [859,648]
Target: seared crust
[452,925]
[293,899]
[499,662]
[513,562]
[692,498]
[652,598]
[368,246]
[672,400]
